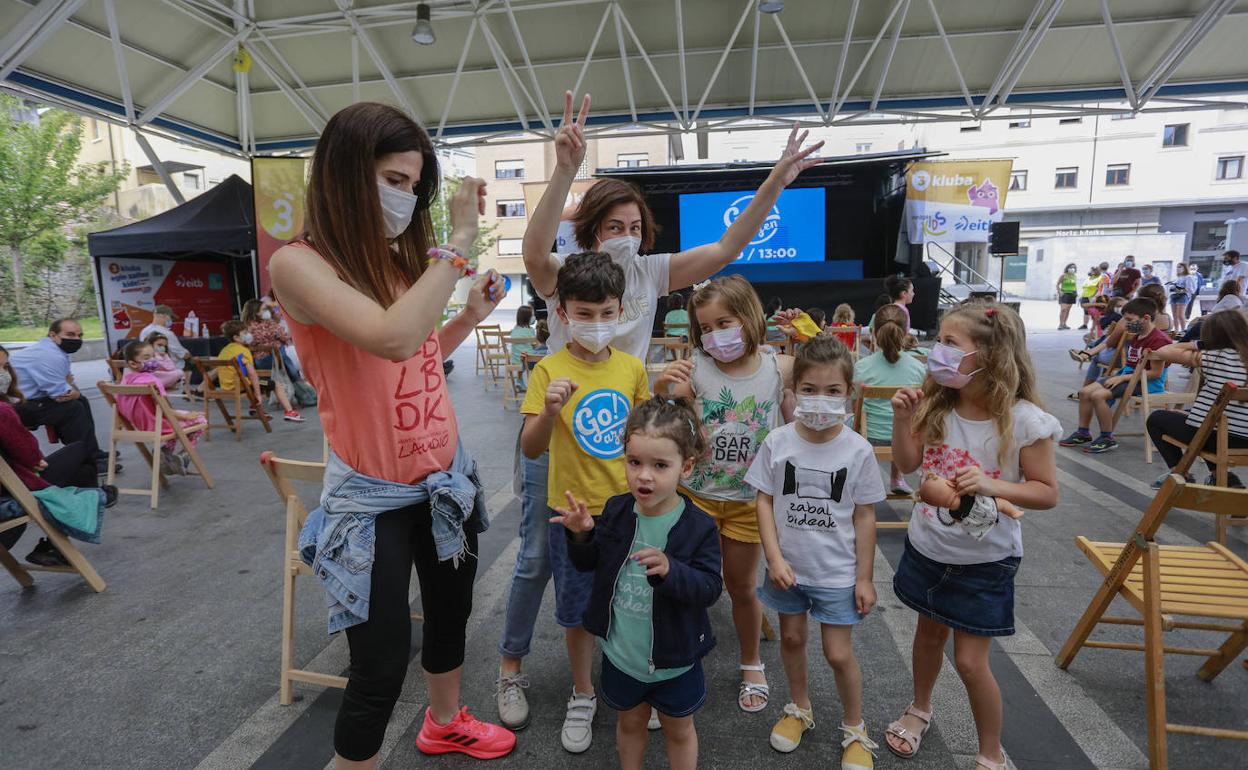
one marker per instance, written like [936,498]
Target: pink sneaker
[293,416]
[465,734]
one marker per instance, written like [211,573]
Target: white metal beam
[834,103]
[628,77]
[944,38]
[797,63]
[719,65]
[892,51]
[49,25]
[1178,52]
[503,63]
[500,63]
[540,101]
[593,46]
[758,23]
[1123,73]
[459,69]
[680,58]
[119,60]
[159,166]
[378,62]
[191,78]
[849,88]
[1019,41]
[26,28]
[1024,58]
[681,117]
[355,68]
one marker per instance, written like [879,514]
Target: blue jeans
[532,572]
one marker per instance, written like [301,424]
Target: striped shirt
[1218,367]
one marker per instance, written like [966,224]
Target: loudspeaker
[1003,238]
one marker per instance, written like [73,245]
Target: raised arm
[1184,353]
[540,264]
[701,262]
[314,294]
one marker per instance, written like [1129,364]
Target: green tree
[440,213]
[43,188]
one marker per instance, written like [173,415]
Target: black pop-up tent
[199,257]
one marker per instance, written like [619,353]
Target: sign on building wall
[132,288]
[955,201]
[279,185]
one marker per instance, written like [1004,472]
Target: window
[1067,179]
[862,148]
[1069,121]
[1021,123]
[509,246]
[632,159]
[191,180]
[95,130]
[1117,175]
[1175,135]
[1018,181]
[1230,167]
[507,209]
[1122,116]
[1209,235]
[509,169]
[969,129]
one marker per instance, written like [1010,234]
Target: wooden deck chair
[1223,457]
[117,367]
[32,514]
[1163,583]
[496,356]
[124,430]
[478,330]
[214,393]
[282,474]
[1146,402]
[882,453]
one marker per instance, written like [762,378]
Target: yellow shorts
[735,519]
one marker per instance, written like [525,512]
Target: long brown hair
[344,208]
[605,195]
[889,328]
[1001,346]
[1226,329]
[13,394]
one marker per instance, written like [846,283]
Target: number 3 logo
[285,223]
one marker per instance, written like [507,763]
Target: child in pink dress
[141,368]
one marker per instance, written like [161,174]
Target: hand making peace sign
[570,141]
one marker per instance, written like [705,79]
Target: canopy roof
[222,219]
[500,66]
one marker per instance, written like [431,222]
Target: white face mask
[265,315]
[6,380]
[593,336]
[620,249]
[819,412]
[247,338]
[397,208]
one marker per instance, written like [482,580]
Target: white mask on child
[593,336]
[265,315]
[819,412]
[247,338]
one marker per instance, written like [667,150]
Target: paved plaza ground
[175,665]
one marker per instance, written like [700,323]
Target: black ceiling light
[771,6]
[423,32]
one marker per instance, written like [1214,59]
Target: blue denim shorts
[677,697]
[572,588]
[975,598]
[833,606]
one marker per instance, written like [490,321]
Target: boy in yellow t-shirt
[577,403]
[237,350]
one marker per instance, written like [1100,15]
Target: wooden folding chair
[149,442]
[882,453]
[496,355]
[1223,457]
[117,367]
[32,514]
[676,330]
[478,332]
[282,474]
[1207,582]
[214,393]
[1146,402]
[674,348]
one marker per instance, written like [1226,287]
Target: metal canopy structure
[499,68]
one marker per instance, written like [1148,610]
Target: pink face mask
[944,363]
[724,345]
[150,365]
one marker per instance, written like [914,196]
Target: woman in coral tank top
[362,294]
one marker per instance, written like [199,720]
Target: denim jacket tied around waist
[338,537]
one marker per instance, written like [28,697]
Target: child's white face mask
[819,412]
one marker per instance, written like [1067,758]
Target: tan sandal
[912,739]
[988,764]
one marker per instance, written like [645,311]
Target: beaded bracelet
[455,257]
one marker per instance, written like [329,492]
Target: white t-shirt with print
[975,443]
[814,488]
[645,280]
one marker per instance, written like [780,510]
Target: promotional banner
[792,232]
[132,288]
[279,185]
[955,201]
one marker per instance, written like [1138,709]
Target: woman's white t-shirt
[975,443]
[645,280]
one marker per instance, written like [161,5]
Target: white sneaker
[578,723]
[513,706]
[654,723]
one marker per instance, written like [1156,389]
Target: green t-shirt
[674,317]
[876,370]
[520,348]
[629,641]
[1069,283]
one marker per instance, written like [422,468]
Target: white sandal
[987,764]
[913,740]
[753,689]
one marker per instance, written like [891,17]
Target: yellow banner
[955,201]
[278,186]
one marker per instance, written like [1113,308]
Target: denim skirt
[975,598]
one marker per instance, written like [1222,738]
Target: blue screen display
[792,232]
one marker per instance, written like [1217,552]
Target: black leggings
[1166,422]
[381,647]
[73,465]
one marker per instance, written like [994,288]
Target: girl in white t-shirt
[818,484]
[978,422]
[738,386]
